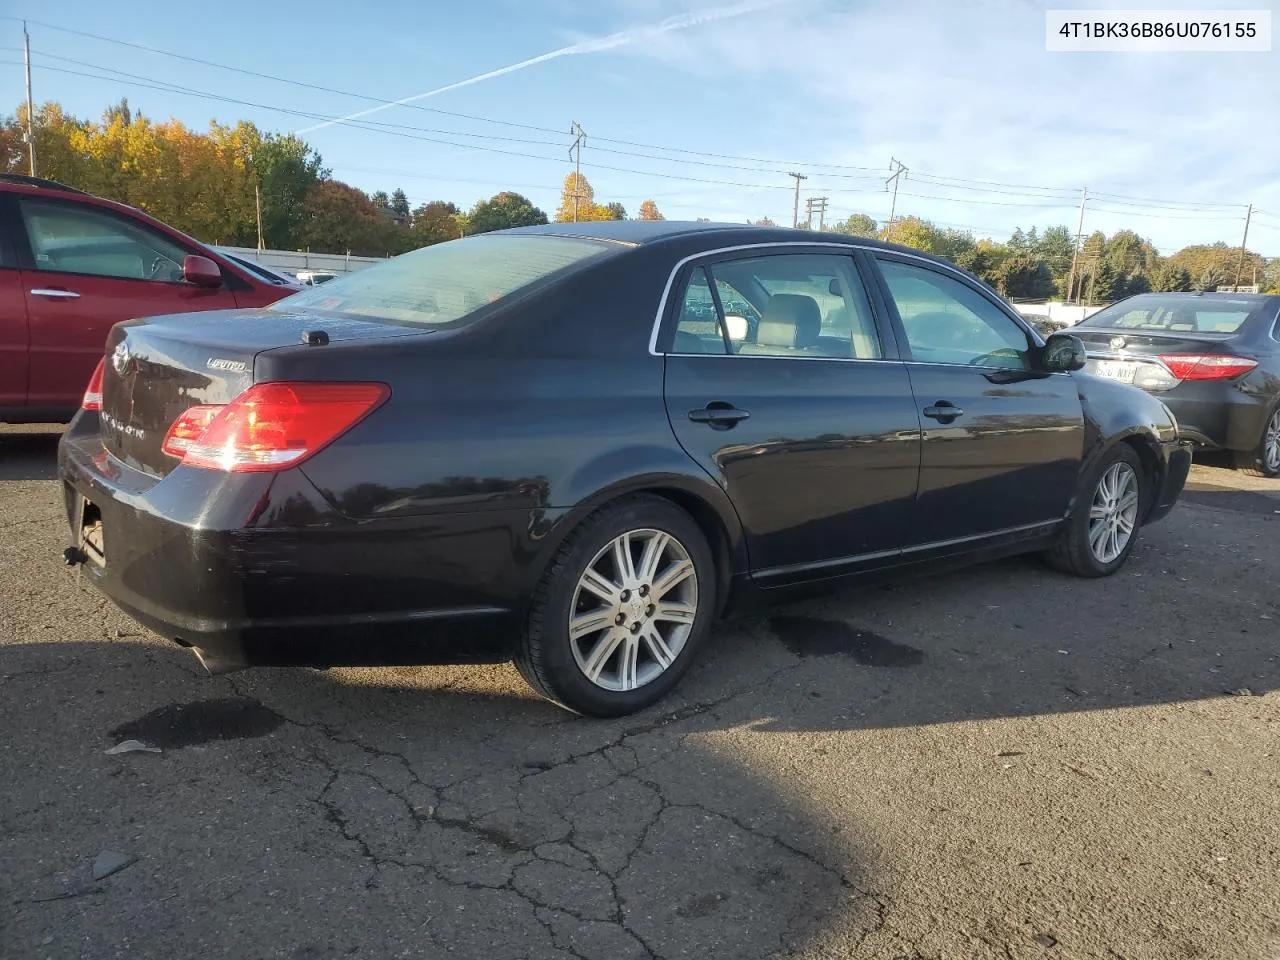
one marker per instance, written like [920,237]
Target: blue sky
[959,92]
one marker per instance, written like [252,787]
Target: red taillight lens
[93,393]
[188,428]
[271,425]
[1206,366]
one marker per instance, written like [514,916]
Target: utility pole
[580,137]
[1243,243]
[795,207]
[1075,250]
[898,169]
[257,202]
[818,204]
[31,110]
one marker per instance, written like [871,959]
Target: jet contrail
[681,21]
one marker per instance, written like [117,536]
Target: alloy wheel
[633,609]
[1113,515]
[1271,444]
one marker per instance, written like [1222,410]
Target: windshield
[258,270]
[445,282]
[1179,314]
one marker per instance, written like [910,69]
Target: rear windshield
[1182,314]
[443,283]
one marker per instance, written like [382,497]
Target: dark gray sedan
[1213,358]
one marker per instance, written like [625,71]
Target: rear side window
[442,284]
[78,238]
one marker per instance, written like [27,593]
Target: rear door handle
[719,416]
[944,411]
[55,294]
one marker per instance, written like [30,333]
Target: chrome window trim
[850,247]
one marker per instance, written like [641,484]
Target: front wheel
[616,619]
[1102,528]
[1264,459]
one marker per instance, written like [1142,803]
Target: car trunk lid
[1134,357]
[157,369]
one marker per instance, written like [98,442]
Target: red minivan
[73,265]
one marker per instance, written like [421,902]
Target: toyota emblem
[1117,343]
[121,358]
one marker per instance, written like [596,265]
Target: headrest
[794,310]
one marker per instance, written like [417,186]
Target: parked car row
[466,456]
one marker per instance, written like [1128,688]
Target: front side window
[443,284]
[78,238]
[947,321]
[809,306]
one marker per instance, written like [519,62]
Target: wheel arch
[706,503]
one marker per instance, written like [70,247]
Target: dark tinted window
[698,326]
[1180,313]
[947,321]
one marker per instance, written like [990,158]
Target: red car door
[93,267]
[13,338]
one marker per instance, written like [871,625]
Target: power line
[277,79]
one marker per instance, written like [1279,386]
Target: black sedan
[578,445]
[1213,358]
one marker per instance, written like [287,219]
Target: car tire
[1264,459]
[589,640]
[1098,536]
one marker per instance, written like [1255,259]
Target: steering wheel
[982,361]
[157,264]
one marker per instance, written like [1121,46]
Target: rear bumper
[1176,466]
[1217,415]
[261,570]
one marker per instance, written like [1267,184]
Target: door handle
[944,411]
[718,415]
[55,294]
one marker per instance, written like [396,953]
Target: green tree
[1055,248]
[434,222]
[1170,277]
[1024,277]
[503,211]
[400,204]
[856,225]
[616,211]
[1106,284]
[380,199]
[286,170]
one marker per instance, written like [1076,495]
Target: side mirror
[201,271]
[1064,352]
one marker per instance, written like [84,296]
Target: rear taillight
[188,428]
[93,393]
[271,425]
[1206,366]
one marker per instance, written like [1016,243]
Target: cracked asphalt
[996,762]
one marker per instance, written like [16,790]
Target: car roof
[642,232]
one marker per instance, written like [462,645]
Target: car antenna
[315,338]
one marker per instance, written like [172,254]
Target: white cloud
[968,91]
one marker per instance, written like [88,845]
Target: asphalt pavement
[999,762]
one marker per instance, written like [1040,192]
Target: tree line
[208,184]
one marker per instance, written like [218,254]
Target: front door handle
[54,293]
[944,411]
[718,415]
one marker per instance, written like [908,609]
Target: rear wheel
[1102,528]
[616,619]
[1264,459]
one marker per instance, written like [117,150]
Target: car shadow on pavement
[29,455]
